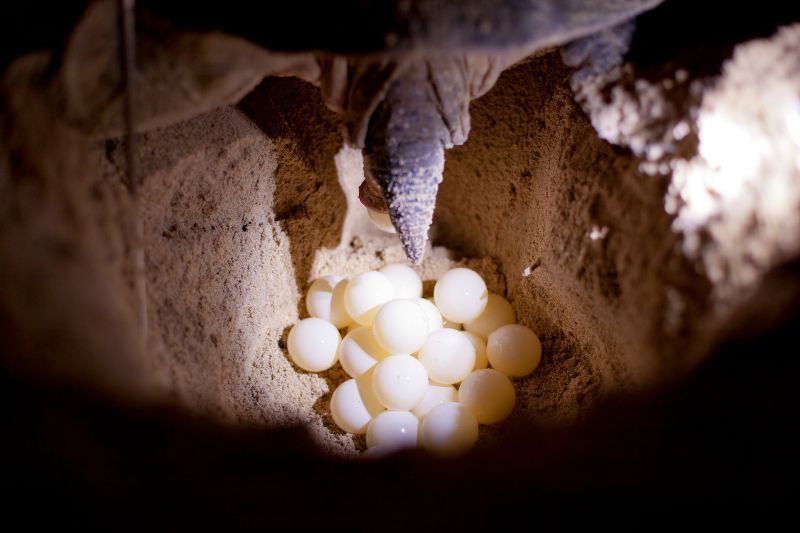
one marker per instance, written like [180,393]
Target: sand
[234,240]
[242,209]
[220,323]
[243,206]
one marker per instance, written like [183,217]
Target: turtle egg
[399,382]
[489,394]
[461,295]
[313,344]
[393,430]
[432,314]
[481,361]
[449,429]
[325,299]
[406,282]
[514,350]
[448,356]
[435,395]
[365,294]
[498,313]
[376,452]
[359,351]
[353,405]
[400,326]
[381,220]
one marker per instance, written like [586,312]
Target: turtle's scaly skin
[404,155]
[422,110]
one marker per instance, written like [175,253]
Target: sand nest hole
[242,207]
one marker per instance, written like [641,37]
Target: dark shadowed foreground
[721,446]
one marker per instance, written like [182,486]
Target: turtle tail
[404,155]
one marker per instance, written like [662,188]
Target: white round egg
[353,405]
[365,294]
[498,313]
[448,356]
[481,360]
[325,299]
[313,344]
[393,430]
[400,326]
[514,350]
[489,394]
[435,395]
[359,351]
[399,382]
[449,429]
[461,295]
[376,452]
[432,314]
[406,282]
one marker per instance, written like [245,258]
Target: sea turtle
[406,107]
[401,72]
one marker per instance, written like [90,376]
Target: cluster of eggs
[406,354]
